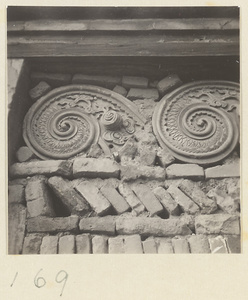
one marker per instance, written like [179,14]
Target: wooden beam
[125,25]
[116,44]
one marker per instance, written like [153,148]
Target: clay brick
[16,228]
[117,201]
[164,246]
[151,226]
[168,83]
[145,136]
[192,190]
[49,245]
[99,245]
[120,90]
[149,246]
[190,171]
[199,244]
[218,245]
[164,158]
[41,89]
[129,150]
[231,170]
[102,225]
[132,172]
[133,244]
[186,204]
[101,80]
[149,200]
[116,245]
[39,201]
[180,245]
[134,82]
[83,244]
[46,224]
[92,167]
[43,167]
[24,154]
[72,200]
[131,198]
[67,244]
[217,224]
[32,244]
[54,79]
[147,94]
[94,197]
[233,243]
[95,151]
[16,194]
[147,155]
[167,201]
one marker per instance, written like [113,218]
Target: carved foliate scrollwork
[198,122]
[68,120]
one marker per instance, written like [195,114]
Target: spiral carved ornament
[198,122]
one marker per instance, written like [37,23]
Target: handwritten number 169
[62,276]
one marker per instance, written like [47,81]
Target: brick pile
[140,200]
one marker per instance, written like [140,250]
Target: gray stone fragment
[147,94]
[230,170]
[49,245]
[24,154]
[164,246]
[73,201]
[54,79]
[167,201]
[147,155]
[218,245]
[164,158]
[16,194]
[100,80]
[43,167]
[32,244]
[217,224]
[168,83]
[199,244]
[191,171]
[41,89]
[120,90]
[233,243]
[180,245]
[95,151]
[129,150]
[134,82]
[98,225]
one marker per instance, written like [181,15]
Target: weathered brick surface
[180,245]
[46,224]
[133,244]
[32,244]
[233,243]
[167,201]
[148,94]
[67,244]
[186,204]
[168,83]
[24,154]
[117,201]
[129,150]
[116,245]
[218,245]
[101,80]
[39,201]
[49,245]
[44,167]
[41,89]
[131,198]
[149,200]
[16,228]
[145,136]
[120,90]
[147,155]
[199,244]
[134,82]
[192,190]
[95,198]
[73,201]
[217,224]
[95,151]
[83,244]
[164,246]
[224,171]
[54,79]
[132,172]
[92,167]
[98,225]
[151,226]
[164,158]
[16,194]
[149,246]
[99,244]
[190,171]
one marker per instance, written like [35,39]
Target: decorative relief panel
[68,120]
[199,122]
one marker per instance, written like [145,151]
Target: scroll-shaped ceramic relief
[199,122]
[68,120]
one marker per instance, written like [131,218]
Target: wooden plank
[125,25]
[34,45]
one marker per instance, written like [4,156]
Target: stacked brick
[140,200]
